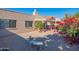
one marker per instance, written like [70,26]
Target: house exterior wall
[19,17]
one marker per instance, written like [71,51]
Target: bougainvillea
[70,27]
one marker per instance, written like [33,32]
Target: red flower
[70,22]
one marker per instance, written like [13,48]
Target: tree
[77,14]
[66,16]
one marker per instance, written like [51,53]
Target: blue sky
[56,12]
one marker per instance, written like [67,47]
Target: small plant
[38,25]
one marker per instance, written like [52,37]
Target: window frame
[28,25]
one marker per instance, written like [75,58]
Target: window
[12,23]
[7,23]
[28,23]
[1,24]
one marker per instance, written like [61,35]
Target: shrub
[38,25]
[70,27]
[72,31]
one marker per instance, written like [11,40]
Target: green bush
[72,31]
[38,25]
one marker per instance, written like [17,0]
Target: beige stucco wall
[19,17]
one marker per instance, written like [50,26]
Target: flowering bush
[70,27]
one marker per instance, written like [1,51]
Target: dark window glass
[28,23]
[12,23]
[1,24]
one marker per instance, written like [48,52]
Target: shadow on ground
[15,42]
[12,41]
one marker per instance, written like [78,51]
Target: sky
[56,12]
